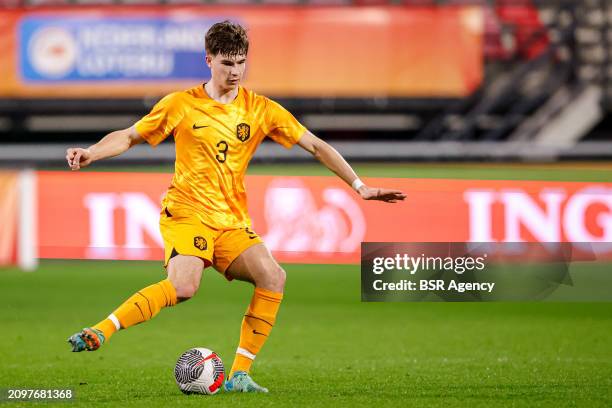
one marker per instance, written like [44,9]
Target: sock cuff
[269,295]
[246,353]
[115,321]
[169,291]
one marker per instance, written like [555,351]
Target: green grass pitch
[328,348]
[583,171]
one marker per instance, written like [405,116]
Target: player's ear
[208,60]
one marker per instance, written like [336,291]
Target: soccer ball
[199,371]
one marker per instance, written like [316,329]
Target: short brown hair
[227,38]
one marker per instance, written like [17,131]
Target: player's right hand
[78,158]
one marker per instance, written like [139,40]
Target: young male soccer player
[204,221]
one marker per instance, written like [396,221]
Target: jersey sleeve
[281,126]
[158,124]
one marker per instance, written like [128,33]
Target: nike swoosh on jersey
[198,127]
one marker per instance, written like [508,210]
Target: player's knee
[275,279]
[281,277]
[186,290]
[185,273]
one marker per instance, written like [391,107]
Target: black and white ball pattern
[199,371]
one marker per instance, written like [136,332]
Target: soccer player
[204,222]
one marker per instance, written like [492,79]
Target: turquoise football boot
[241,381]
[87,339]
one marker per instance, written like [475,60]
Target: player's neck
[220,94]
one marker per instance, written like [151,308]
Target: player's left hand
[381,194]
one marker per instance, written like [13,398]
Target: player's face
[226,71]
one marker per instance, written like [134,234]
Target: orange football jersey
[214,144]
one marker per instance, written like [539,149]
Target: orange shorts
[187,235]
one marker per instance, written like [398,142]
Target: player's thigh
[186,236]
[189,247]
[257,265]
[185,273]
[230,244]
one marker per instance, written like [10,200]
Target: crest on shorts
[243,132]
[200,243]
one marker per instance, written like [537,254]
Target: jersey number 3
[222,156]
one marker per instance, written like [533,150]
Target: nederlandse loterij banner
[135,52]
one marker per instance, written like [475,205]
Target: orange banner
[319,219]
[8,217]
[383,51]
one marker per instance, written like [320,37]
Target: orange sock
[140,307]
[256,327]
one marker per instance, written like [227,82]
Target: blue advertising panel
[54,49]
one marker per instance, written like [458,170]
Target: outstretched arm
[113,144]
[331,159]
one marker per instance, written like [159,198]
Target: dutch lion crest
[243,132]
[200,243]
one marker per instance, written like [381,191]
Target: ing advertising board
[319,219]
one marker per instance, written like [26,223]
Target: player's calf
[140,307]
